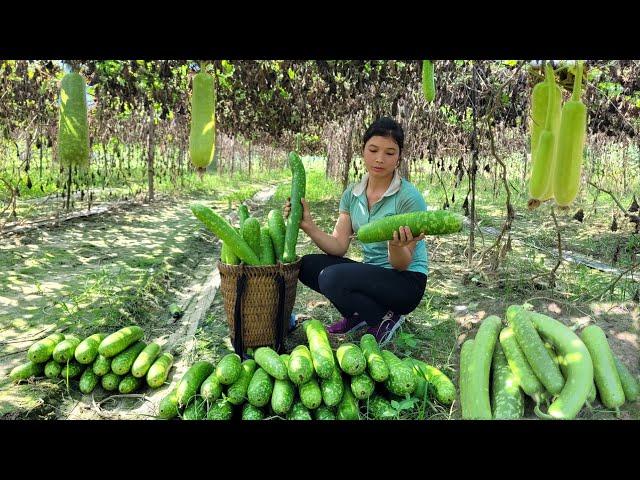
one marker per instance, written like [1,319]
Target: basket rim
[275,267]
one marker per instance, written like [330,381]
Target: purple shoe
[385,330]
[346,325]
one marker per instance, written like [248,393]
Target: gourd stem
[551,91]
[577,83]
[540,414]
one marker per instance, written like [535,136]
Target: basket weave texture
[260,299]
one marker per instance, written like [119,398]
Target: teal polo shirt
[400,197]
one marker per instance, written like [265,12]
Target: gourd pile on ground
[544,359]
[312,382]
[118,362]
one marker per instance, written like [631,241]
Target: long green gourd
[578,363]
[479,368]
[321,353]
[439,222]
[555,115]
[463,379]
[428,83]
[73,127]
[250,232]
[267,254]
[543,158]
[41,351]
[444,389]
[539,109]
[227,256]
[630,384]
[507,400]
[277,231]
[243,214]
[533,348]
[571,137]
[605,371]
[520,367]
[298,191]
[219,226]
[202,137]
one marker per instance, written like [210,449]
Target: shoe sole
[389,335]
[360,325]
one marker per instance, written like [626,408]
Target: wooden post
[250,147]
[150,153]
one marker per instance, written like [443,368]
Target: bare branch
[624,210]
[552,274]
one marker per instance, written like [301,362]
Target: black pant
[369,290]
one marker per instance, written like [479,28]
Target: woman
[392,279]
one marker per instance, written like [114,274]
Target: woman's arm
[335,244]
[401,248]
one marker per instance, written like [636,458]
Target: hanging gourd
[543,142]
[428,83]
[202,138]
[571,138]
[73,127]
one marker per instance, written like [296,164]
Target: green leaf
[408,403]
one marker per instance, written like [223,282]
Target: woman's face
[381,156]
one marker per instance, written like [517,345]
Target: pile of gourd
[546,360]
[120,361]
[313,382]
[252,243]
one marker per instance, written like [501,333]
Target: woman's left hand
[403,238]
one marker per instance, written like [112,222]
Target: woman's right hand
[306,220]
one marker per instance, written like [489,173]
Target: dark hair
[385,127]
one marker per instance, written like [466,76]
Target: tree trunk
[233,156]
[42,146]
[150,153]
[624,171]
[474,165]
[68,201]
[27,156]
[17,164]
[250,147]
[327,167]
[183,161]
[348,157]
[495,180]
[104,173]
[327,173]
[216,153]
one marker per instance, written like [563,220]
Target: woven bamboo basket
[259,302]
